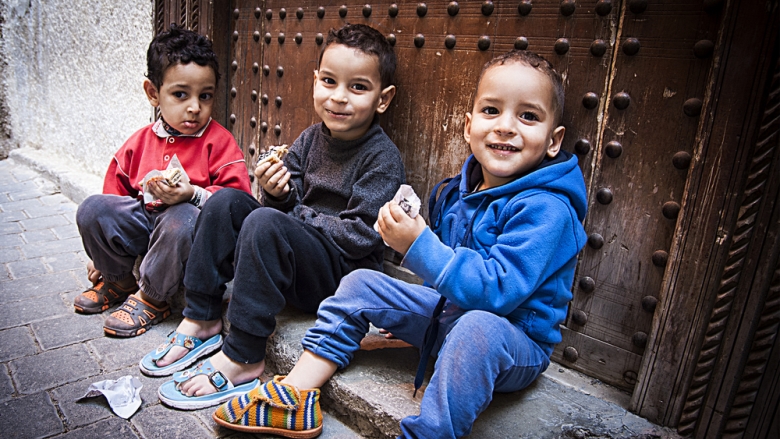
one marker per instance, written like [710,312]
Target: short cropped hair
[178,46]
[369,41]
[537,62]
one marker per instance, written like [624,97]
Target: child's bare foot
[237,373]
[202,329]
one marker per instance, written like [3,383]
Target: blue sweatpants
[478,352]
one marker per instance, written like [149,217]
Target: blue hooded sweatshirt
[510,250]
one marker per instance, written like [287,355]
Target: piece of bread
[170,176]
[273,155]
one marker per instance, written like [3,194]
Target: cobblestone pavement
[49,355]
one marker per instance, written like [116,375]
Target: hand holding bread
[271,173]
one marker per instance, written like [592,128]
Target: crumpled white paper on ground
[123,394]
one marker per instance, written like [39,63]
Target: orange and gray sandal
[100,297]
[134,317]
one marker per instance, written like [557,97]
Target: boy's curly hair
[178,46]
[369,41]
[537,62]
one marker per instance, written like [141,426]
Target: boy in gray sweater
[314,226]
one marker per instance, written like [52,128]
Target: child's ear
[555,141]
[314,86]
[385,97]
[152,93]
[467,129]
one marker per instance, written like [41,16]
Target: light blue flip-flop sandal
[170,395]
[198,349]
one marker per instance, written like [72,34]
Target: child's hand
[398,229]
[171,195]
[92,273]
[273,178]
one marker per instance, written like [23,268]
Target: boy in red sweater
[118,225]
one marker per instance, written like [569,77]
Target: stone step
[374,393]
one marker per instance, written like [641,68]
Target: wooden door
[635,78]
[671,174]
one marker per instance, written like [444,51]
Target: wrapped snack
[273,155]
[408,200]
[171,176]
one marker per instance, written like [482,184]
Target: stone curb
[74,184]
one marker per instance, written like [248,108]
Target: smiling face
[512,124]
[348,91]
[186,96]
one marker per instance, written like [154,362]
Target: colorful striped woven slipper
[274,408]
[170,395]
[198,349]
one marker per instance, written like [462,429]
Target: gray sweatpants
[116,229]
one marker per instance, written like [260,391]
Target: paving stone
[23,173]
[26,288]
[16,343]
[7,217]
[67,329]
[117,353]
[17,186]
[55,199]
[6,386]
[18,206]
[52,368]
[83,412]
[68,231]
[4,198]
[47,210]
[63,262]
[37,411]
[12,240]
[36,250]
[45,222]
[42,235]
[26,194]
[10,227]
[116,428]
[9,254]
[159,422]
[26,268]
[70,216]
[28,311]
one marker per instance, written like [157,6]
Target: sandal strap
[138,311]
[216,378]
[186,341]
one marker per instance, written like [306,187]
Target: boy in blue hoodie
[498,262]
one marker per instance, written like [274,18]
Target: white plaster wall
[72,76]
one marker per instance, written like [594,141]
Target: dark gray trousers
[274,259]
[115,230]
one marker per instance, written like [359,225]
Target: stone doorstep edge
[74,182]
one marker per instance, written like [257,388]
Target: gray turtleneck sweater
[338,187]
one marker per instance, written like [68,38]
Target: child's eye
[360,87]
[180,94]
[490,110]
[206,96]
[328,81]
[529,116]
